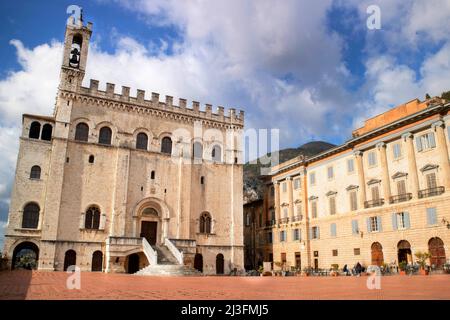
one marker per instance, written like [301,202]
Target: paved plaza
[52,285]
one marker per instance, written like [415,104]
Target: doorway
[219,264]
[97,261]
[25,256]
[70,259]
[149,230]
[437,251]
[377,254]
[298,261]
[133,263]
[404,252]
[198,262]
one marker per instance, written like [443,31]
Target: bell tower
[76,45]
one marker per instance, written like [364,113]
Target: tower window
[152,175]
[91,159]
[47,132]
[35,130]
[35,172]
[166,145]
[216,153]
[205,223]
[105,136]
[75,51]
[202,180]
[30,218]
[197,150]
[141,141]
[92,218]
[82,132]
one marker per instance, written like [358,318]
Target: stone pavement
[52,285]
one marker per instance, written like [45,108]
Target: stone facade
[379,198]
[131,176]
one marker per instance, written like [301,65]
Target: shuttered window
[353,201]
[431,216]
[401,187]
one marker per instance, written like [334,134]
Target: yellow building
[378,198]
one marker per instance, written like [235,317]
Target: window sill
[35,179]
[92,230]
[27,230]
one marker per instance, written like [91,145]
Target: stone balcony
[373,203]
[431,192]
[400,198]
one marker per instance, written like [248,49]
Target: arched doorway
[97,261]
[70,259]
[437,251]
[219,264]
[25,256]
[198,262]
[404,252]
[133,263]
[377,254]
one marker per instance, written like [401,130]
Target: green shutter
[394,221]
[418,144]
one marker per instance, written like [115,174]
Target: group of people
[356,270]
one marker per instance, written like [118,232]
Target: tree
[446,95]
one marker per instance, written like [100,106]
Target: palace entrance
[25,256]
[437,251]
[149,231]
[377,254]
[404,252]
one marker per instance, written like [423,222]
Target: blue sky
[310,68]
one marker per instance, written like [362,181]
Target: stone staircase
[167,265]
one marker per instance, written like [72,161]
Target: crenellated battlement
[231,116]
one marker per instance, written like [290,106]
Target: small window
[375,193]
[202,180]
[152,175]
[141,141]
[374,224]
[82,132]
[35,172]
[282,236]
[297,183]
[335,253]
[314,209]
[401,187]
[355,227]
[330,173]
[91,159]
[312,178]
[315,233]
[353,201]
[356,251]
[296,234]
[216,154]
[350,166]
[47,132]
[400,221]
[372,158]
[35,130]
[284,186]
[105,136]
[332,203]
[92,218]
[166,145]
[30,218]
[397,150]
[269,237]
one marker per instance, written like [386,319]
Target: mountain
[253,185]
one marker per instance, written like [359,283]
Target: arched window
[82,132]
[92,218]
[166,145]
[30,218]
[75,51]
[197,150]
[91,159]
[141,141]
[216,153]
[47,132]
[205,223]
[35,130]
[35,172]
[70,259]
[105,136]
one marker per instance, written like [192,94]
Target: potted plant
[422,258]
[402,266]
[306,272]
[261,270]
[334,270]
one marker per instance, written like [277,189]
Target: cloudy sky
[311,68]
